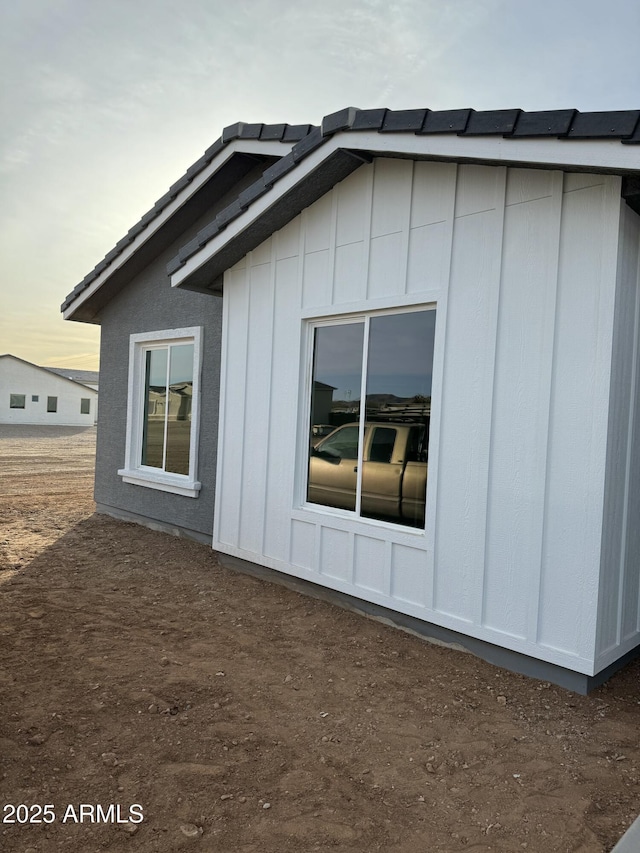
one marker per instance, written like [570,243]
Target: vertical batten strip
[406,233]
[302,384]
[302,248]
[351,558]
[536,581]
[333,236]
[546,370]
[242,414]
[436,401]
[270,383]
[611,225]
[244,397]
[494,296]
[220,464]
[388,558]
[368,200]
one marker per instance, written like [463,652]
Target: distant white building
[30,394]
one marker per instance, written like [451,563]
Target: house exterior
[84,377]
[30,394]
[90,378]
[464,285]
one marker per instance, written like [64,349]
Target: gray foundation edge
[153,523]
[630,841]
[505,658]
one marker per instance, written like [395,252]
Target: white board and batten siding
[521,266]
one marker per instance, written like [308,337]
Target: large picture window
[372,459]
[163,411]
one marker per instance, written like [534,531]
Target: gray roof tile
[369,119]
[208,233]
[214,149]
[295,132]
[491,122]
[174,264]
[232,131]
[273,132]
[253,192]
[446,121]
[197,167]
[544,123]
[228,213]
[342,120]
[251,131]
[604,125]
[403,121]
[303,148]
[179,185]
[278,169]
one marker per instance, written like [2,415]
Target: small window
[85,406]
[16,401]
[163,411]
[52,404]
[35,398]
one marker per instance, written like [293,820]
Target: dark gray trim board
[496,655]
[152,523]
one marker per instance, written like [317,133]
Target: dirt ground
[237,715]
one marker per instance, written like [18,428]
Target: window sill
[174,483]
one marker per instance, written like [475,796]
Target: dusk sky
[105,103]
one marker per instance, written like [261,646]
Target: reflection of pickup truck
[394,475]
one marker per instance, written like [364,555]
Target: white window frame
[311,324]
[134,471]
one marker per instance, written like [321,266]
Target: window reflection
[335,401]
[179,409]
[399,369]
[155,394]
[167,412]
[398,366]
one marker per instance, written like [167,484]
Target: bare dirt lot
[242,716]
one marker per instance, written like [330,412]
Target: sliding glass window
[372,459]
[168,395]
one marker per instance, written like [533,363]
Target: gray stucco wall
[147,304]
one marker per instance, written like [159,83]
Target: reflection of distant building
[322,401]
[414,408]
[180,396]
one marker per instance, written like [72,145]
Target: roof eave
[340,154]
[84,307]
